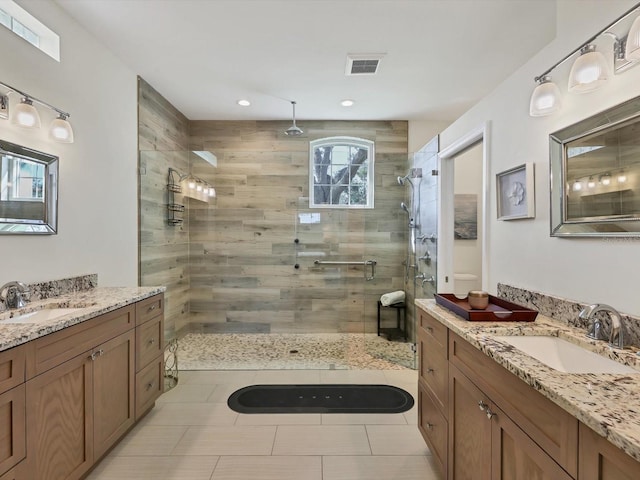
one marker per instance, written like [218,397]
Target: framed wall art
[516,194]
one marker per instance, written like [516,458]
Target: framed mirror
[595,175]
[28,191]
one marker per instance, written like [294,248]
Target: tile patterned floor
[257,351]
[191,434]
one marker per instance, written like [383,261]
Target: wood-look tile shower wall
[230,266]
[163,142]
[242,250]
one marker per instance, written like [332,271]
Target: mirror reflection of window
[22,180]
[28,190]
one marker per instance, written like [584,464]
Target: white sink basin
[43,315]
[564,356]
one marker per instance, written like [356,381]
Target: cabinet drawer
[52,350]
[555,430]
[434,369]
[149,386]
[433,427]
[12,367]
[149,308]
[436,332]
[12,428]
[149,342]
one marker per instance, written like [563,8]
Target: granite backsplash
[565,310]
[55,288]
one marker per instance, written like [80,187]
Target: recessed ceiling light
[347,103]
[244,103]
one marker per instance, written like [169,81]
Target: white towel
[391,298]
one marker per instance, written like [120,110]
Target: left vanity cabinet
[12,409]
[77,397]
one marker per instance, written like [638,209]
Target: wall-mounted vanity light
[590,70]
[26,115]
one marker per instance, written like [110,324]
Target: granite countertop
[91,303]
[607,403]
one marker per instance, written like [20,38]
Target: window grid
[348,177]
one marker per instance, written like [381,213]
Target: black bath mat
[320,399]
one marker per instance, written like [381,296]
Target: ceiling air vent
[363,64]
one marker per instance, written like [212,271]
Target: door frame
[446,197]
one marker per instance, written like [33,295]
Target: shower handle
[425,237]
[430,279]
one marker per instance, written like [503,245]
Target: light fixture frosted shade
[26,115]
[60,130]
[589,71]
[545,99]
[632,47]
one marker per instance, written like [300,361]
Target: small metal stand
[171,365]
[401,321]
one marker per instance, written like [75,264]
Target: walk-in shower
[241,269]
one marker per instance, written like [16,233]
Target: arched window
[341,173]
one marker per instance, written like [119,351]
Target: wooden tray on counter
[498,310]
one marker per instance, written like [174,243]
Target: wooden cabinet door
[113,391]
[469,430]
[60,421]
[515,455]
[599,459]
[12,427]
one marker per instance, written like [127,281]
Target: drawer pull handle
[429,329]
[490,414]
[97,354]
[482,406]
[150,385]
[152,341]
[430,426]
[152,308]
[430,370]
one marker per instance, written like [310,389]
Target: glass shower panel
[329,275]
[386,241]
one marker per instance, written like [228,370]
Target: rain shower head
[293,130]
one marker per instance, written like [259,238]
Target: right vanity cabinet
[497,426]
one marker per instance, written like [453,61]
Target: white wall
[97,227]
[521,252]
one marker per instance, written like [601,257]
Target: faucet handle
[16,296]
[616,337]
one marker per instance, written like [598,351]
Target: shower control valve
[430,279]
[426,257]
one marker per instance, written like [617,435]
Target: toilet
[464,282]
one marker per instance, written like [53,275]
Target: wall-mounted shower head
[404,207]
[413,173]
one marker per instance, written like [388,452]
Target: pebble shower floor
[255,351]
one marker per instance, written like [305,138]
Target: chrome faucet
[430,279]
[16,294]
[596,331]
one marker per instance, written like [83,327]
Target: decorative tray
[498,310]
